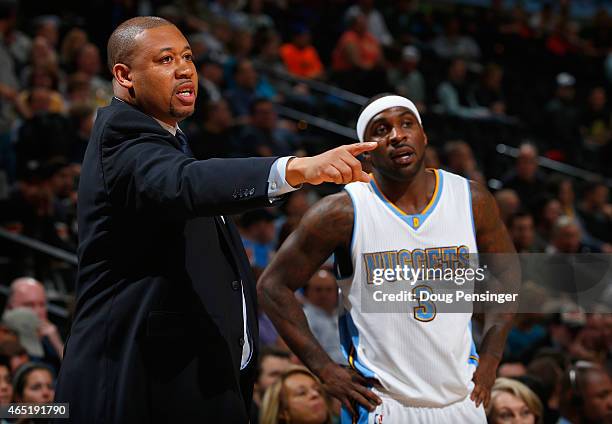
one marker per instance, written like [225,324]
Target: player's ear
[425,140]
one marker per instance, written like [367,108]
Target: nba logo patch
[378,419]
[415,222]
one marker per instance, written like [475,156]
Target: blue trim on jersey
[349,341]
[419,217]
[361,418]
[474,357]
[362,415]
[469,189]
[354,220]
[347,418]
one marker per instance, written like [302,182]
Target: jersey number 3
[426,310]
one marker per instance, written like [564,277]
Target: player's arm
[327,226]
[497,253]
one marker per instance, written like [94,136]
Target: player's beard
[402,173]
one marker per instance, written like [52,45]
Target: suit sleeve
[143,171]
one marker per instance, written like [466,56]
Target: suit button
[235,285]
[241,341]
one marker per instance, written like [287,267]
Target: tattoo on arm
[325,227]
[497,253]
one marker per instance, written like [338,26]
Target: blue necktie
[182,138]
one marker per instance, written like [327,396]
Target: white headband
[378,106]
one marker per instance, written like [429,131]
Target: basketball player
[406,368]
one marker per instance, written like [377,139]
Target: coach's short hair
[122,42]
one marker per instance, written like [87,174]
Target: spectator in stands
[549,373]
[218,38]
[43,56]
[43,136]
[72,43]
[47,27]
[407,79]
[511,369]
[29,293]
[432,159]
[544,21]
[453,93]
[257,231]
[273,362]
[526,335]
[525,178]
[300,56]
[14,39]
[240,46]
[357,59]
[254,17]
[6,387]
[33,383]
[375,20]
[512,401]
[567,238]
[210,79]
[28,208]
[563,189]
[88,62]
[453,44]
[215,136]
[267,54]
[82,117]
[25,323]
[15,353]
[564,39]
[522,230]
[548,211]
[596,120]
[402,21]
[586,395]
[321,310]
[563,119]
[265,136]
[489,92]
[595,212]
[293,209]
[460,160]
[508,203]
[296,397]
[248,88]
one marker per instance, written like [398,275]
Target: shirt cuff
[277,185]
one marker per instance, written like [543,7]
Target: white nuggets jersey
[421,358]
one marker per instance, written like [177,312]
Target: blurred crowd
[538,80]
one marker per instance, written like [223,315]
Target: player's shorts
[391,411]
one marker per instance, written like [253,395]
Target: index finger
[358,148]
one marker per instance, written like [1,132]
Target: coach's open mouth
[186,93]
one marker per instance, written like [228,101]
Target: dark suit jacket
[158,329]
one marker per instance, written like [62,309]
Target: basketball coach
[165,327]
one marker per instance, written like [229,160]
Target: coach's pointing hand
[338,166]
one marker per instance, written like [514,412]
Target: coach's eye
[166,59]
[188,57]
